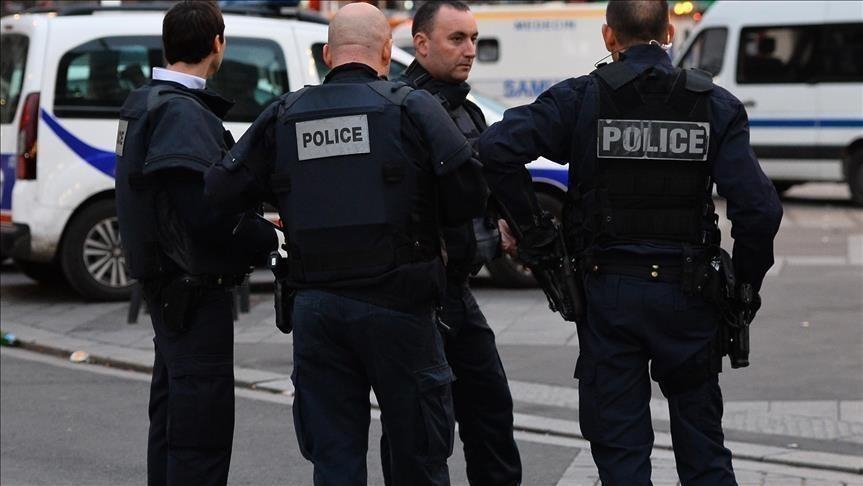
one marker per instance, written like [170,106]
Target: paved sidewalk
[549,410]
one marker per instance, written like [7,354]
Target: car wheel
[506,271]
[45,273]
[92,258]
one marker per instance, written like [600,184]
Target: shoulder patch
[332,137]
[121,137]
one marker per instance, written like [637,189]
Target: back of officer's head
[188,30]
[359,32]
[635,21]
[425,15]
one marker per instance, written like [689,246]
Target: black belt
[657,272]
[212,281]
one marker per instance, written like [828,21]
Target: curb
[276,383]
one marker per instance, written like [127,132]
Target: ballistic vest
[652,159]
[344,182]
[156,242]
[136,195]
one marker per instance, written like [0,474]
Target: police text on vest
[652,139]
[332,137]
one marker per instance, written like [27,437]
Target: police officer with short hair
[445,34]
[364,171]
[645,143]
[186,255]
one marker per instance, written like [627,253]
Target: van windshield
[13,56]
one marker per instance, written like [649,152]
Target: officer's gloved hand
[747,306]
[538,247]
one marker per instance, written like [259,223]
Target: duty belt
[212,281]
[657,272]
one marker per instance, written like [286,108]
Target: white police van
[797,68]
[64,76]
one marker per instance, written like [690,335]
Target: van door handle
[749,104]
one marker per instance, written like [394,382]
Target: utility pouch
[487,241]
[284,293]
[177,299]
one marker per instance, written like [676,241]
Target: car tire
[506,271]
[44,273]
[91,256]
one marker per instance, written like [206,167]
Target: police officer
[363,171]
[445,35]
[645,142]
[186,255]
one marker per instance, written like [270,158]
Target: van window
[487,50]
[800,54]
[94,78]
[707,51]
[396,68]
[253,74]
[13,56]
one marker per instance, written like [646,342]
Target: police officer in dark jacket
[364,171]
[186,255]
[645,143]
[445,35]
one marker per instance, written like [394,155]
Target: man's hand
[508,243]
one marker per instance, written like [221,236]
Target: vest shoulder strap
[396,92]
[289,100]
[698,81]
[616,74]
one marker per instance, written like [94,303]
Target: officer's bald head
[635,21]
[359,32]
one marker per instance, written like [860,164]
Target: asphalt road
[84,424]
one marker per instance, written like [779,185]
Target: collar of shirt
[187,80]
[642,56]
[352,72]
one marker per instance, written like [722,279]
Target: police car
[60,104]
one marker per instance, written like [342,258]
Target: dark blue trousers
[342,349]
[481,396]
[192,394]
[633,326]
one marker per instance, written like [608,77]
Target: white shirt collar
[188,80]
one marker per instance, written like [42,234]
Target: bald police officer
[645,143]
[364,171]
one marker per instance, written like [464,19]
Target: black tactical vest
[344,183]
[155,240]
[136,194]
[651,160]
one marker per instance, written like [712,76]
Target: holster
[284,293]
[176,300]
[284,303]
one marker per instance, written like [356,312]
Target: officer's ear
[386,56]
[328,57]
[670,33]
[421,44]
[610,38]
